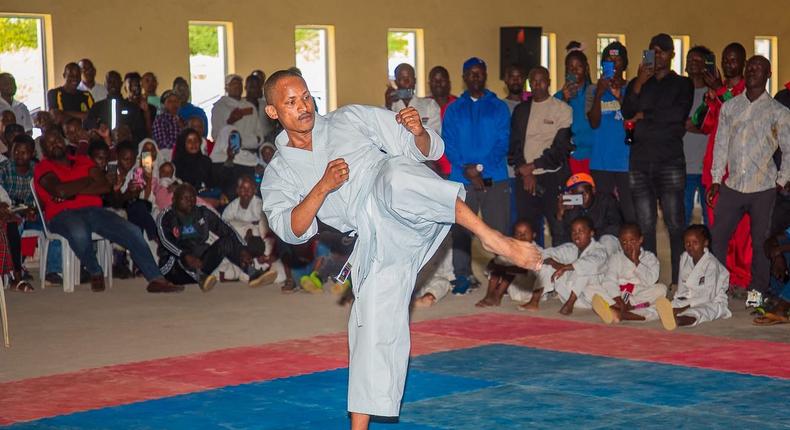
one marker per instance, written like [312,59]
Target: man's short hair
[538,69]
[514,66]
[737,48]
[401,66]
[12,129]
[439,69]
[132,75]
[701,50]
[126,146]
[271,82]
[586,220]
[182,189]
[24,139]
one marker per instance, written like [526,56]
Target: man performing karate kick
[360,169]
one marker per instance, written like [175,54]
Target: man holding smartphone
[402,96]
[659,101]
[233,110]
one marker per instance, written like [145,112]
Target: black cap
[663,41]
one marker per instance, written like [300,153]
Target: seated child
[187,253]
[163,186]
[629,285]
[569,269]
[332,254]
[702,285]
[778,249]
[504,276]
[246,216]
[436,278]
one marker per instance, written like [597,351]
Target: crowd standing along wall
[152,34]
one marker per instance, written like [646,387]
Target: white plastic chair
[71,264]
[4,312]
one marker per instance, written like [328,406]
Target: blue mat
[488,387]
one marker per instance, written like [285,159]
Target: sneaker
[207,282]
[97,283]
[754,299]
[53,280]
[163,286]
[312,283]
[260,278]
[461,286]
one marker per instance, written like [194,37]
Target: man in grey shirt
[695,142]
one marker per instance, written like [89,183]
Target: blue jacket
[477,132]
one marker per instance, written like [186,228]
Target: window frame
[419,56]
[772,86]
[44,35]
[329,63]
[611,37]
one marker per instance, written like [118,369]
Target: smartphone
[608,69]
[137,177]
[572,199]
[235,141]
[147,162]
[649,58]
[710,64]
[112,167]
[405,93]
[570,78]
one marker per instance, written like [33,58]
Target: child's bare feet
[533,305]
[427,300]
[485,302]
[567,308]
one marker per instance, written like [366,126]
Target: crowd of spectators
[590,165]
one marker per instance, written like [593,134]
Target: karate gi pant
[642,294]
[520,290]
[704,312]
[570,282]
[436,277]
[407,213]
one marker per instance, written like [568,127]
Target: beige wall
[152,35]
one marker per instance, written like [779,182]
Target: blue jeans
[694,185]
[78,225]
[665,184]
[54,257]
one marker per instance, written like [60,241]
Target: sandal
[770,319]
[22,287]
[288,287]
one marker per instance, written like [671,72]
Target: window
[766,46]
[315,58]
[548,57]
[210,52]
[681,51]
[406,46]
[603,41]
[24,52]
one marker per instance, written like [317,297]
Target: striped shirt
[749,133]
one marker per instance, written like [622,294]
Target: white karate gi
[703,287]
[242,220]
[400,210]
[588,269]
[522,286]
[620,271]
[249,127]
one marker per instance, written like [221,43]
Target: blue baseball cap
[474,61]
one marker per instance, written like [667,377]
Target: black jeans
[667,184]
[544,204]
[616,183]
[138,212]
[224,247]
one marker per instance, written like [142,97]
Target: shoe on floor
[97,283]
[754,299]
[261,278]
[207,282]
[163,286]
[53,280]
[461,285]
[666,313]
[601,307]
[311,283]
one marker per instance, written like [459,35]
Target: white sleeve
[219,119]
[4,197]
[612,276]
[380,126]
[648,269]
[591,262]
[280,197]
[231,210]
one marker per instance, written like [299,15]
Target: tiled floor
[489,371]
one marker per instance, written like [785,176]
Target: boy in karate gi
[702,285]
[361,169]
[630,282]
[569,269]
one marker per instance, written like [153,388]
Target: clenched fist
[335,175]
[411,119]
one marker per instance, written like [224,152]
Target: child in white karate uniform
[630,284]
[569,269]
[702,285]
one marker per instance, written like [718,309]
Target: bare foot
[522,254]
[529,306]
[567,308]
[486,302]
[427,300]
